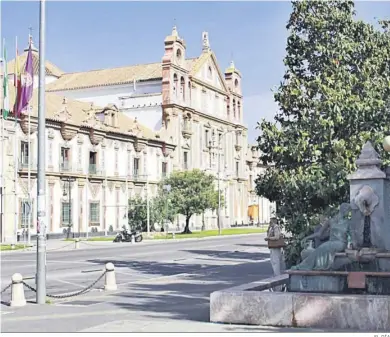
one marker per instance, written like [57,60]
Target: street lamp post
[212,145]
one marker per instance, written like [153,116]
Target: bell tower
[233,82]
[173,67]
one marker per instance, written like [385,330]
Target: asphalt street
[158,283]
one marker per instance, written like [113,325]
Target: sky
[86,35]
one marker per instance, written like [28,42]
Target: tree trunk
[187,227]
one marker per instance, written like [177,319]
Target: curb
[145,242]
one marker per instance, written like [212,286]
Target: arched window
[228,109]
[182,88]
[239,109]
[189,92]
[236,83]
[234,108]
[178,56]
[175,85]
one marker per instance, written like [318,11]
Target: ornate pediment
[135,129]
[94,187]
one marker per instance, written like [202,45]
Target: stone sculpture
[322,258]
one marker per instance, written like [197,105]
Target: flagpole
[16,163]
[29,172]
[41,172]
[2,152]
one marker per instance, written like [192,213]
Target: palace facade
[112,134]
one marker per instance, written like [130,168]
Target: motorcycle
[126,236]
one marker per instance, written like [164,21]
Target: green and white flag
[6,110]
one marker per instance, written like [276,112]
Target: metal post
[29,180]
[70,205]
[147,205]
[41,185]
[219,190]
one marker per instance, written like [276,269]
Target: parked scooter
[126,236]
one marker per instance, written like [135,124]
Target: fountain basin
[312,281]
[254,304]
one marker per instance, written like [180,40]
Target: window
[236,83]
[136,167]
[185,160]
[182,89]
[94,213]
[175,80]
[92,162]
[239,110]
[80,159]
[65,159]
[234,108]
[207,137]
[25,214]
[66,215]
[228,110]
[237,168]
[164,167]
[24,153]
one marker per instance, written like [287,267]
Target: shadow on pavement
[186,297]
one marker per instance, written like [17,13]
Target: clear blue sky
[92,35]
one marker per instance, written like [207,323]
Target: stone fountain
[342,282]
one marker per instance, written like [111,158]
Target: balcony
[93,169]
[23,164]
[65,166]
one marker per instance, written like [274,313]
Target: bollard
[17,291]
[132,239]
[110,281]
[173,235]
[77,243]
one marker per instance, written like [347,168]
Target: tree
[158,212]
[332,100]
[192,192]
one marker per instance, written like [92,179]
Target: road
[162,286]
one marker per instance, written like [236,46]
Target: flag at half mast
[5,85]
[26,85]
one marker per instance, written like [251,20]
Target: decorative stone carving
[110,185]
[94,187]
[96,136]
[50,133]
[68,131]
[123,187]
[139,145]
[116,145]
[24,124]
[63,115]
[166,151]
[368,164]
[135,130]
[80,139]
[366,200]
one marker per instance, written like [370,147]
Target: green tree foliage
[331,101]
[192,192]
[159,213]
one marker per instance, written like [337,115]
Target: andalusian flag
[5,86]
